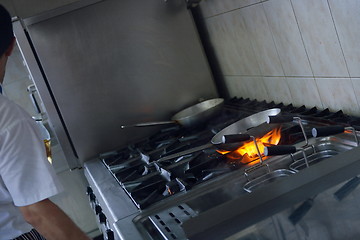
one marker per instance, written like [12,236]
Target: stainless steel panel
[232,216]
[223,207]
[59,11]
[119,62]
[125,229]
[108,192]
[35,73]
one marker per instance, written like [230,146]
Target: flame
[248,153]
[170,192]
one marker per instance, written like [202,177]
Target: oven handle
[32,90]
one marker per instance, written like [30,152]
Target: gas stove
[176,184]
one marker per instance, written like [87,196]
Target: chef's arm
[50,221]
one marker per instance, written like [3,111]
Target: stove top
[159,166]
[176,184]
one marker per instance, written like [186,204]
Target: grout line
[277,52]
[307,55]
[337,35]
[233,10]
[342,51]
[302,38]
[248,32]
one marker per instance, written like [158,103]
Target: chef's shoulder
[11,113]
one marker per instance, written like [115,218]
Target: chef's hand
[51,222]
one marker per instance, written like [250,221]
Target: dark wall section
[210,53]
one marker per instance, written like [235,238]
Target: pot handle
[279,150]
[327,131]
[284,149]
[284,119]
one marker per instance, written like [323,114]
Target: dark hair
[6,30]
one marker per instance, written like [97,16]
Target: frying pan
[189,116]
[254,125]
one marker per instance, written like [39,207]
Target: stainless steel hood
[100,64]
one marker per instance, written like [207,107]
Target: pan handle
[279,119]
[148,124]
[235,138]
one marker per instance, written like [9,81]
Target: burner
[148,173]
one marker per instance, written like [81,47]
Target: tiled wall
[304,52]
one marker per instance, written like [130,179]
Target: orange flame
[170,192]
[248,152]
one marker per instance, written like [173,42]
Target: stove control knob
[92,197]
[110,235]
[98,209]
[89,190]
[102,218]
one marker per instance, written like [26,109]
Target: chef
[27,179]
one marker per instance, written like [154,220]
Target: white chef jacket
[26,176]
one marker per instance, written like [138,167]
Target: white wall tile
[214,7]
[320,38]
[356,85]
[287,38]
[278,89]
[347,21]
[262,40]
[234,87]
[304,91]
[247,87]
[338,94]
[232,45]
[296,39]
[217,35]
